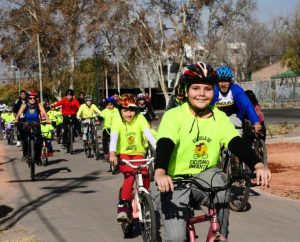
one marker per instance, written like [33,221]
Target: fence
[276,93]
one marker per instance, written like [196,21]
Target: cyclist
[8,118]
[2,110]
[86,112]
[145,107]
[32,111]
[126,142]
[18,103]
[177,99]
[189,140]
[108,113]
[231,99]
[47,132]
[250,94]
[69,106]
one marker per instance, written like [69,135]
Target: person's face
[32,99]
[69,97]
[200,95]
[109,106]
[23,95]
[224,85]
[116,96]
[81,96]
[142,101]
[127,114]
[89,103]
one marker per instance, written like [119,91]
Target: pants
[38,141]
[105,141]
[128,173]
[66,121]
[174,207]
[237,123]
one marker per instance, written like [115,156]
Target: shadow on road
[53,162]
[9,160]
[36,203]
[45,174]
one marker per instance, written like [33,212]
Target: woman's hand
[263,175]
[163,181]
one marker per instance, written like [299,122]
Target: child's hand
[113,159]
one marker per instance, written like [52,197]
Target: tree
[291,55]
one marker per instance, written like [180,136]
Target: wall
[276,93]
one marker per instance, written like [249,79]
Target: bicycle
[30,148]
[70,134]
[9,131]
[1,129]
[44,153]
[142,205]
[211,214]
[91,144]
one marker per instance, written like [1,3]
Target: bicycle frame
[139,185]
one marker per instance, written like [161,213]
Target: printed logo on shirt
[200,158]
[130,140]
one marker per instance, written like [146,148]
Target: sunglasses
[31,98]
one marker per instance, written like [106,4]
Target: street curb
[282,139]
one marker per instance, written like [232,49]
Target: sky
[266,11]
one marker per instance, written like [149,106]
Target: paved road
[74,200]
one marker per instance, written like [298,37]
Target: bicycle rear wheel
[148,222]
[32,160]
[261,150]
[240,188]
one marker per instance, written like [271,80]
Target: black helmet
[197,73]
[70,92]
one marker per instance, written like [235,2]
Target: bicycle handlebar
[184,179]
[129,162]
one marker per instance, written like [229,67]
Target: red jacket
[68,107]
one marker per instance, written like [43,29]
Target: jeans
[174,207]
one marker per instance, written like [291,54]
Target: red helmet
[127,101]
[32,93]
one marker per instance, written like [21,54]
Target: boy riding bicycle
[189,141]
[126,142]
[86,112]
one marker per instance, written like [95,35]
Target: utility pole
[40,67]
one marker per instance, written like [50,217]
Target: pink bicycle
[210,215]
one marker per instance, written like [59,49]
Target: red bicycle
[211,214]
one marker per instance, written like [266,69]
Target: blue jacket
[244,106]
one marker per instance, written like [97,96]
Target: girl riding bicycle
[32,111]
[126,142]
[189,141]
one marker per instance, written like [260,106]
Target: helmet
[110,100]
[197,73]
[32,93]
[70,92]
[179,90]
[127,101]
[141,96]
[252,97]
[224,73]
[88,98]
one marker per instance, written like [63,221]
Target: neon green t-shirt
[88,112]
[8,118]
[197,141]
[130,135]
[58,116]
[46,130]
[108,115]
[51,115]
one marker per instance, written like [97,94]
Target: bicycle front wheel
[261,150]
[148,221]
[32,160]
[44,156]
[70,141]
[96,149]
[240,188]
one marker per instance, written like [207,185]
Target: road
[74,200]
[274,116]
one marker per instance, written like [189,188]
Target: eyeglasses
[31,98]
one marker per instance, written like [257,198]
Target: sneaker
[18,144]
[220,238]
[123,211]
